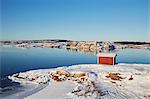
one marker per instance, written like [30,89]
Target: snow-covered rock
[91,81]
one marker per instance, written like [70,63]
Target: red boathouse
[106,58]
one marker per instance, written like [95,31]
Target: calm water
[17,59]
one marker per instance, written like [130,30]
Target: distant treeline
[58,40]
[135,43]
[32,41]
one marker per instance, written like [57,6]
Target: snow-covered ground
[90,81]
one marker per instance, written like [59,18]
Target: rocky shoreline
[90,80]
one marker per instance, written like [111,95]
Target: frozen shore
[90,81]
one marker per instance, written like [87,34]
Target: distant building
[106,58]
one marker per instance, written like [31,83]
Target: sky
[108,20]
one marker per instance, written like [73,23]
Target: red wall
[106,60]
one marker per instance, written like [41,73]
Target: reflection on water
[84,51]
[91,51]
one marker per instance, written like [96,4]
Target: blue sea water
[15,60]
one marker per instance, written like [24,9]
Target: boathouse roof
[107,54]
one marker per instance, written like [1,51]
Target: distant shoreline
[61,40]
[87,46]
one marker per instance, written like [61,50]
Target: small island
[80,46]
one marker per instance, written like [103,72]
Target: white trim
[97,60]
[113,61]
[106,54]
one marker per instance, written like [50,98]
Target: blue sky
[75,19]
